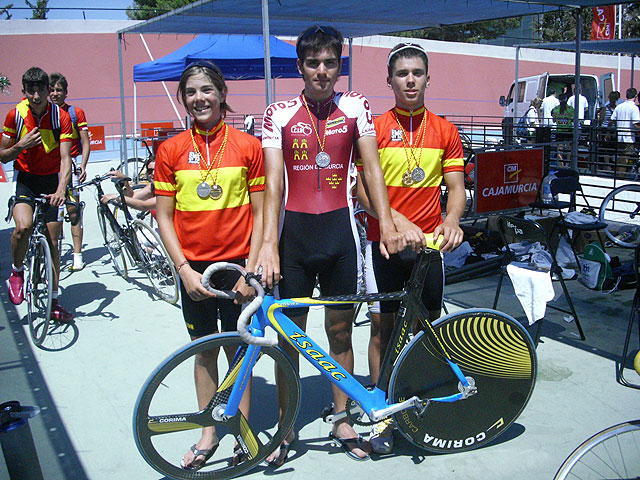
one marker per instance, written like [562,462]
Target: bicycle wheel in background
[612,453]
[135,169]
[620,209]
[113,244]
[493,349]
[167,419]
[155,261]
[39,291]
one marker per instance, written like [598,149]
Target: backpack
[595,269]
[522,127]
[74,120]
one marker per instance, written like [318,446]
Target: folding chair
[570,185]
[555,204]
[518,230]
[634,318]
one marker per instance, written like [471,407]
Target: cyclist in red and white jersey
[309,146]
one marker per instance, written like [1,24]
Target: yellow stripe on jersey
[166,186]
[234,193]
[394,164]
[256,182]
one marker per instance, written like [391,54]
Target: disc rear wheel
[491,348]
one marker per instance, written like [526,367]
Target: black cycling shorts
[30,186]
[321,246]
[202,317]
[391,276]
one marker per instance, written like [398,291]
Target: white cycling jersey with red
[299,132]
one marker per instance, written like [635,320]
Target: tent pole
[123,126]
[267,50]
[135,127]
[350,64]
[576,93]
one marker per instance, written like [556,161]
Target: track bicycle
[454,386]
[142,244]
[38,262]
[620,209]
[612,453]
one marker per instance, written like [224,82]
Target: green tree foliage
[470,33]
[5,11]
[146,9]
[631,20]
[40,9]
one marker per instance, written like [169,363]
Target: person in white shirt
[582,102]
[548,104]
[627,119]
[532,119]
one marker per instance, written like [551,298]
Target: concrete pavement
[87,380]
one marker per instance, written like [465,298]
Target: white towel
[533,288]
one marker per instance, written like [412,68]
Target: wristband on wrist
[186,262]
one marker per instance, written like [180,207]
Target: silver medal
[216,192]
[417,174]
[204,190]
[323,160]
[407,179]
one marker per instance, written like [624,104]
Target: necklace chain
[313,124]
[217,157]
[410,150]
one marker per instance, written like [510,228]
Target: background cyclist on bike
[308,145]
[81,147]
[37,137]
[417,150]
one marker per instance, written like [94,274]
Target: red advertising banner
[604,23]
[153,129]
[507,180]
[96,137]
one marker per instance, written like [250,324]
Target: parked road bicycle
[454,386]
[136,167]
[126,237]
[621,210]
[38,283]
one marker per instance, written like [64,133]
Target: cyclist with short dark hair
[418,149]
[81,147]
[37,138]
[309,231]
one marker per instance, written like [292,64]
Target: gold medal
[204,190]
[407,179]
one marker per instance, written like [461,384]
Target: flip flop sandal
[238,456]
[282,454]
[206,453]
[348,444]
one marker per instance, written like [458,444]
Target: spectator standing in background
[81,147]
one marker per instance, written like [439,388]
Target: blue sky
[73,9]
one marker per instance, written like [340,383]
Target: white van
[595,89]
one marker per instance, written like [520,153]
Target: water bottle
[547,197]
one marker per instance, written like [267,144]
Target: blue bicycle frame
[373,402]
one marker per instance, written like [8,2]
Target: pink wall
[461,84]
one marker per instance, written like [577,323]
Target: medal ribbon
[313,124]
[410,150]
[217,157]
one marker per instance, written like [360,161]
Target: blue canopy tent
[240,57]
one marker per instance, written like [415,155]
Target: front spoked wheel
[113,243]
[39,287]
[491,348]
[167,419]
[620,210]
[155,261]
[612,453]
